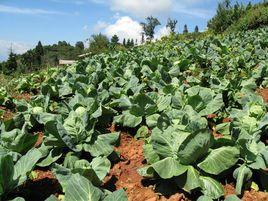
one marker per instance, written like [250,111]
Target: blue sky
[24,22]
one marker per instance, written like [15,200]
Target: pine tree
[249,6]
[124,42]
[132,42]
[128,43]
[142,37]
[185,30]
[115,40]
[196,29]
[39,52]
[11,64]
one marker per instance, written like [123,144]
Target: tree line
[151,23]
[49,55]
[228,14]
[41,57]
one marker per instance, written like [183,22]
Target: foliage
[13,175]
[115,40]
[196,29]
[39,53]
[41,57]
[185,29]
[149,27]
[10,65]
[171,24]
[238,17]
[98,43]
[254,18]
[80,45]
[170,88]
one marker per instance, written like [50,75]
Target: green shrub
[255,18]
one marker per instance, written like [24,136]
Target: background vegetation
[230,17]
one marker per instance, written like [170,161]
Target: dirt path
[124,174]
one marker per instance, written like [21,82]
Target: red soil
[264,94]
[43,175]
[124,174]
[40,139]
[226,120]
[22,96]
[212,127]
[8,114]
[211,116]
[217,135]
[251,195]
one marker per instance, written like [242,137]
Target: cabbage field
[195,106]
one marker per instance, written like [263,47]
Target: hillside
[256,17]
[234,16]
[172,120]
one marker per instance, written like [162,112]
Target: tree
[98,43]
[2,67]
[56,60]
[132,42]
[196,29]
[62,43]
[171,24]
[225,16]
[237,12]
[115,40]
[11,64]
[27,59]
[39,52]
[124,42]
[249,6]
[80,45]
[185,29]
[149,27]
[142,37]
[128,43]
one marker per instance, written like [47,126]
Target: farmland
[170,120]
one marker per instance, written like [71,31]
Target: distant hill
[239,17]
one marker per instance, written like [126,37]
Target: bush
[238,17]
[226,15]
[256,17]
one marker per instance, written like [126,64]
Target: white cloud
[100,26]
[142,8]
[124,27]
[29,11]
[17,47]
[163,31]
